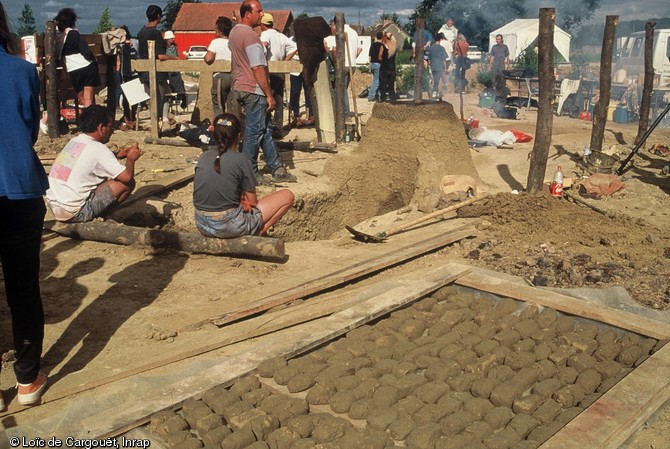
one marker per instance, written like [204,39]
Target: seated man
[86,179]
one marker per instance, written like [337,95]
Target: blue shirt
[22,176]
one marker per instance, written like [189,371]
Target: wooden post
[340,88]
[50,73]
[545,102]
[246,246]
[600,110]
[648,86]
[418,60]
[154,110]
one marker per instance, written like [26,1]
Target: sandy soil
[108,305]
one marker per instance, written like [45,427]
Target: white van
[631,57]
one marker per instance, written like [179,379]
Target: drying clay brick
[586,345]
[457,422]
[359,362]
[405,367]
[498,417]
[527,404]
[445,292]
[381,418]
[334,372]
[482,365]
[408,406]
[570,395]
[340,357]
[544,335]
[480,305]
[174,424]
[458,442]
[545,431]
[608,368]
[300,382]
[470,341]
[385,366]
[504,439]
[303,425]
[367,373]
[465,358]
[581,362]
[606,336]
[525,345]
[543,350]
[589,380]
[236,409]
[359,409]
[567,375]
[282,438]
[244,385]
[523,424]
[189,443]
[424,361]
[268,367]
[588,330]
[545,369]
[482,388]
[466,298]
[412,328]
[425,304]
[487,330]
[501,373]
[462,382]
[526,328]
[341,401]
[546,412]
[214,437]
[380,354]
[303,443]
[431,392]
[240,420]
[569,414]
[546,318]
[465,328]
[507,337]
[485,347]
[478,430]
[478,407]
[408,383]
[176,438]
[518,360]
[505,393]
[424,436]
[346,383]
[561,355]
[564,325]
[284,374]
[429,413]
[629,339]
[241,439]
[400,428]
[253,397]
[529,312]
[320,394]
[547,388]
[504,307]
[384,397]
[424,340]
[606,351]
[262,426]
[330,429]
[507,321]
[450,351]
[208,422]
[450,404]
[629,355]
[192,415]
[441,371]
[259,445]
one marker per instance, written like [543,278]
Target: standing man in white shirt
[278,47]
[355,49]
[218,51]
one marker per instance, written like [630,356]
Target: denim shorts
[229,224]
[98,202]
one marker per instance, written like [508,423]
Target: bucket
[486,101]
[621,114]
[610,112]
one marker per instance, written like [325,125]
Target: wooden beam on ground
[161,185]
[617,414]
[598,312]
[130,402]
[246,246]
[345,275]
[307,146]
[169,142]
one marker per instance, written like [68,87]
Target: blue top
[22,176]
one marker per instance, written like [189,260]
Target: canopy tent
[520,34]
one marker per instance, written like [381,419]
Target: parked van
[630,62]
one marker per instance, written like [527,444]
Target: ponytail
[226,133]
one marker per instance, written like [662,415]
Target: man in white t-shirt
[86,179]
[355,49]
[449,31]
[278,47]
[218,51]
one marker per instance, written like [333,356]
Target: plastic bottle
[557,184]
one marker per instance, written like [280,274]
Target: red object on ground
[585,115]
[521,137]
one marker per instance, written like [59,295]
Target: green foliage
[365,68]
[27,21]
[302,15]
[406,79]
[403,56]
[484,75]
[105,24]
[170,13]
[528,60]
[579,66]
[395,18]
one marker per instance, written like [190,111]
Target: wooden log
[306,146]
[545,106]
[600,110]
[51,77]
[323,106]
[156,109]
[340,88]
[418,61]
[169,142]
[246,246]
[648,87]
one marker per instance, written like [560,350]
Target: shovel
[383,235]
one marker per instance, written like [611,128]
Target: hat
[267,19]
[168,35]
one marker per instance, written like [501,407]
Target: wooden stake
[600,110]
[645,104]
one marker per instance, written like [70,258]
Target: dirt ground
[108,305]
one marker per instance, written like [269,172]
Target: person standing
[218,51]
[438,64]
[387,72]
[278,47]
[374,56]
[449,31]
[23,182]
[251,84]
[461,62]
[80,63]
[355,49]
[126,56]
[174,78]
[150,32]
[499,60]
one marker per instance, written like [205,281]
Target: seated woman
[224,190]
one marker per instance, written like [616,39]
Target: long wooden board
[568,304]
[613,418]
[345,275]
[105,410]
[161,185]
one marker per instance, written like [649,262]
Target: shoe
[262,180]
[29,394]
[281,174]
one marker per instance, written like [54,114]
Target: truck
[630,60]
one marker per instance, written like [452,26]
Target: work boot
[281,174]
[262,180]
[29,394]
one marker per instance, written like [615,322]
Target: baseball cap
[168,35]
[267,19]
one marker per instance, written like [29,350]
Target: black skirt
[86,76]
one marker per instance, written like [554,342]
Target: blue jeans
[374,68]
[258,131]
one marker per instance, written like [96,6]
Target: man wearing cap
[251,84]
[278,47]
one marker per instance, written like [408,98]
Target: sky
[131,12]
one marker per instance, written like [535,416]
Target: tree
[170,13]
[391,17]
[105,23]
[27,21]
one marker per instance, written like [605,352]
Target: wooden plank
[143,65]
[324,104]
[161,185]
[101,412]
[345,275]
[613,418]
[598,312]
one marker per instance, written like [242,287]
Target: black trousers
[21,223]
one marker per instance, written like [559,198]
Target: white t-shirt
[277,45]
[79,169]
[450,33]
[219,47]
[352,40]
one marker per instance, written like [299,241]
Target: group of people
[382,65]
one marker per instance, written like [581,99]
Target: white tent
[520,34]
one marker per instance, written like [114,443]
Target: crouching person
[86,179]
[224,189]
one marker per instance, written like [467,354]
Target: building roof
[201,17]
